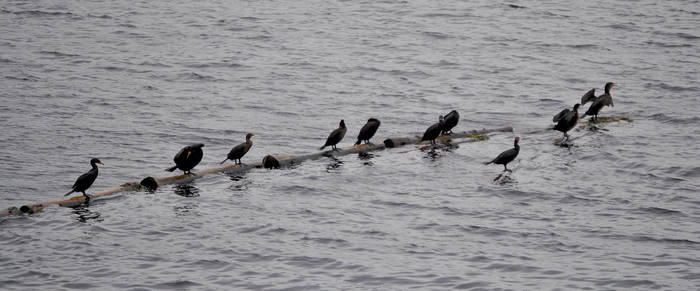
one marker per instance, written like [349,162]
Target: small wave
[515,6]
[624,26]
[439,15]
[103,16]
[26,79]
[582,46]
[512,268]
[176,285]
[77,285]
[627,283]
[155,64]
[663,118]
[437,35]
[659,211]
[38,13]
[309,262]
[666,45]
[197,77]
[215,65]
[58,54]
[684,35]
[644,238]
[325,240]
[209,264]
[382,281]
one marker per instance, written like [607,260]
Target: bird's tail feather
[71,192]
[358,142]
[489,162]
[223,161]
[321,148]
[171,168]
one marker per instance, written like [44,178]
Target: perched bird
[270,162]
[240,150]
[597,103]
[507,156]
[336,136]
[566,120]
[434,131]
[451,120]
[85,180]
[187,158]
[368,130]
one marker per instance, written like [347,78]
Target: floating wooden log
[269,161]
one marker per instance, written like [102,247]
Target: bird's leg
[87,198]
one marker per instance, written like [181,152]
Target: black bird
[240,150]
[187,158]
[566,120]
[368,130]
[597,103]
[507,156]
[85,180]
[434,131]
[336,136]
[451,120]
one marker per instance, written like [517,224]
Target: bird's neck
[607,90]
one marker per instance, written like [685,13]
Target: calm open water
[132,82]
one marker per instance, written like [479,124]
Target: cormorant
[240,150]
[451,120]
[597,103]
[187,158]
[336,136]
[507,156]
[368,130]
[85,180]
[434,131]
[566,120]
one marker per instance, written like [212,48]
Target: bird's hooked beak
[99,163]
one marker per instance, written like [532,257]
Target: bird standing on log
[187,158]
[336,136]
[368,130]
[566,120]
[597,103]
[434,131]
[451,120]
[240,150]
[507,156]
[85,180]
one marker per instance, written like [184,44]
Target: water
[131,83]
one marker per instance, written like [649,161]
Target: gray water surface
[133,82]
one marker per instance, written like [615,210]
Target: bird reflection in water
[241,184]
[85,214]
[504,178]
[186,190]
[186,210]
[334,165]
[366,158]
